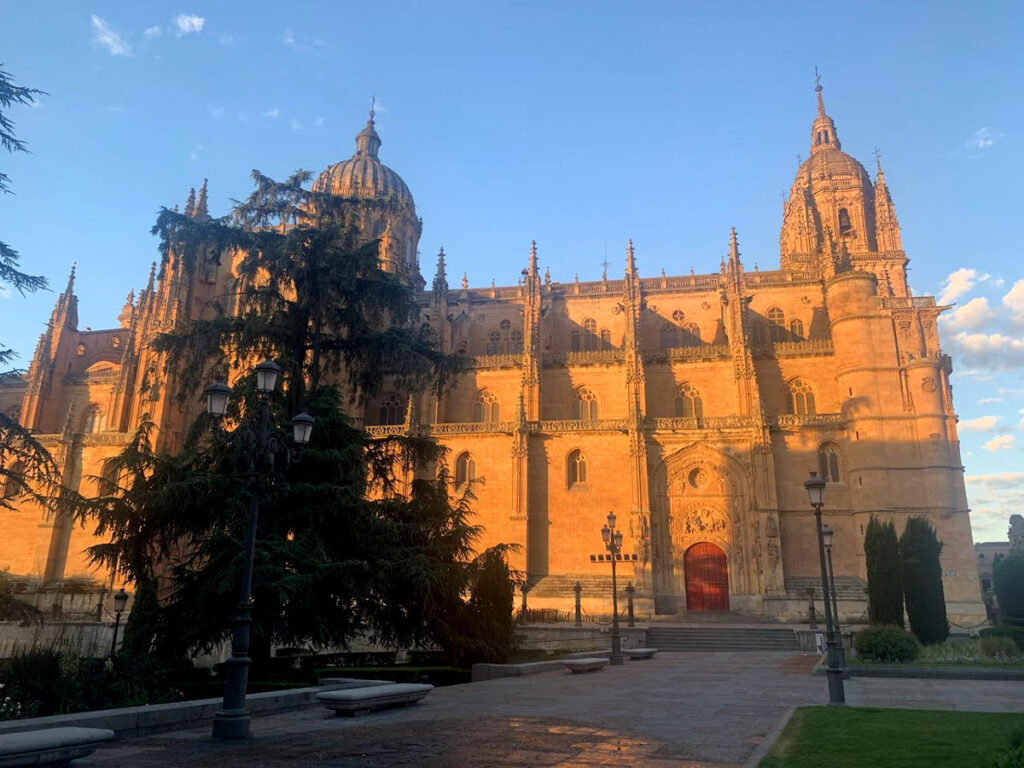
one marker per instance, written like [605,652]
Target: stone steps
[721,639]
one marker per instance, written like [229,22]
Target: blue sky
[578,124]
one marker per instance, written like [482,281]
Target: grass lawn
[891,738]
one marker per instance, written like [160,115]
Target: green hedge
[1014,633]
[887,644]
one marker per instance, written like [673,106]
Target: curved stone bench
[636,654]
[359,701]
[578,666]
[50,747]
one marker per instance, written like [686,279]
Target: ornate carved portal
[701,505]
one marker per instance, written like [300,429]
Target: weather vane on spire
[817,78]
[373,106]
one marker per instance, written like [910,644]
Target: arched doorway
[707,578]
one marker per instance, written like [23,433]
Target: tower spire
[817,90]
[630,258]
[440,278]
[533,257]
[190,203]
[201,210]
[368,141]
[734,247]
[823,131]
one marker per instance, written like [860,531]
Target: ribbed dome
[832,164]
[363,175]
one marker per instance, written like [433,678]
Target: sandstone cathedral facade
[693,406]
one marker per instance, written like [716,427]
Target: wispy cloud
[983,138]
[294,124]
[310,47]
[228,39]
[216,112]
[986,400]
[957,284]
[153,31]
[196,151]
[980,424]
[993,499]
[1000,443]
[273,114]
[188,24]
[319,122]
[105,36]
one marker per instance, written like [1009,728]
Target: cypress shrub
[921,574]
[885,592]
[886,644]
[1008,580]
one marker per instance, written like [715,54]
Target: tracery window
[574,341]
[606,339]
[689,403]
[590,334]
[691,335]
[517,342]
[465,469]
[13,484]
[800,398]
[93,420]
[828,462]
[796,329]
[392,411]
[504,340]
[668,337]
[777,324]
[584,405]
[485,409]
[679,316]
[494,343]
[576,469]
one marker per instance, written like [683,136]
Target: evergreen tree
[885,593]
[26,467]
[1008,581]
[339,550]
[921,573]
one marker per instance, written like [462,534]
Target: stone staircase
[847,588]
[712,638]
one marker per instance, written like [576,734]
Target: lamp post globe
[302,428]
[266,376]
[826,535]
[217,396]
[120,603]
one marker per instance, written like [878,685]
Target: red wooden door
[707,578]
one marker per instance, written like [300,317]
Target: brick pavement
[682,710]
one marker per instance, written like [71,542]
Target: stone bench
[636,654]
[578,666]
[358,701]
[50,747]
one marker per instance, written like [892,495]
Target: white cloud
[196,150]
[983,139]
[104,36]
[957,284]
[228,39]
[153,31]
[972,316]
[990,351]
[986,400]
[993,498]
[1001,443]
[188,23]
[312,47]
[273,114]
[980,424]
[1014,301]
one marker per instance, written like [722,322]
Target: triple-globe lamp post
[826,535]
[120,603]
[232,721]
[613,543]
[834,673]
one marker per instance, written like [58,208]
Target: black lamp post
[826,535]
[836,695]
[613,543]
[232,721]
[120,602]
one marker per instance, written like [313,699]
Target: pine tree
[882,554]
[921,573]
[338,551]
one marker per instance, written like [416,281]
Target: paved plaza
[679,710]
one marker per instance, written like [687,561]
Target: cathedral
[694,406]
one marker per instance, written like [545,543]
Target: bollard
[578,589]
[629,604]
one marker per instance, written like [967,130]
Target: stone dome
[828,164]
[363,174]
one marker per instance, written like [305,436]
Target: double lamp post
[232,721]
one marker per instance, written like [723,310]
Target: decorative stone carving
[928,384]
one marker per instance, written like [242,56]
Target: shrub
[886,643]
[921,574]
[1014,633]
[885,593]
[999,647]
[1008,580]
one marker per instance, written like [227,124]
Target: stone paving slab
[678,710]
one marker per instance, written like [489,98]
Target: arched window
[93,420]
[796,329]
[606,339]
[576,469]
[828,462]
[14,483]
[465,470]
[517,342]
[486,407]
[691,335]
[689,404]
[494,343]
[801,398]
[574,341]
[668,338]
[777,324]
[392,411]
[584,406]
[590,334]
[845,226]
